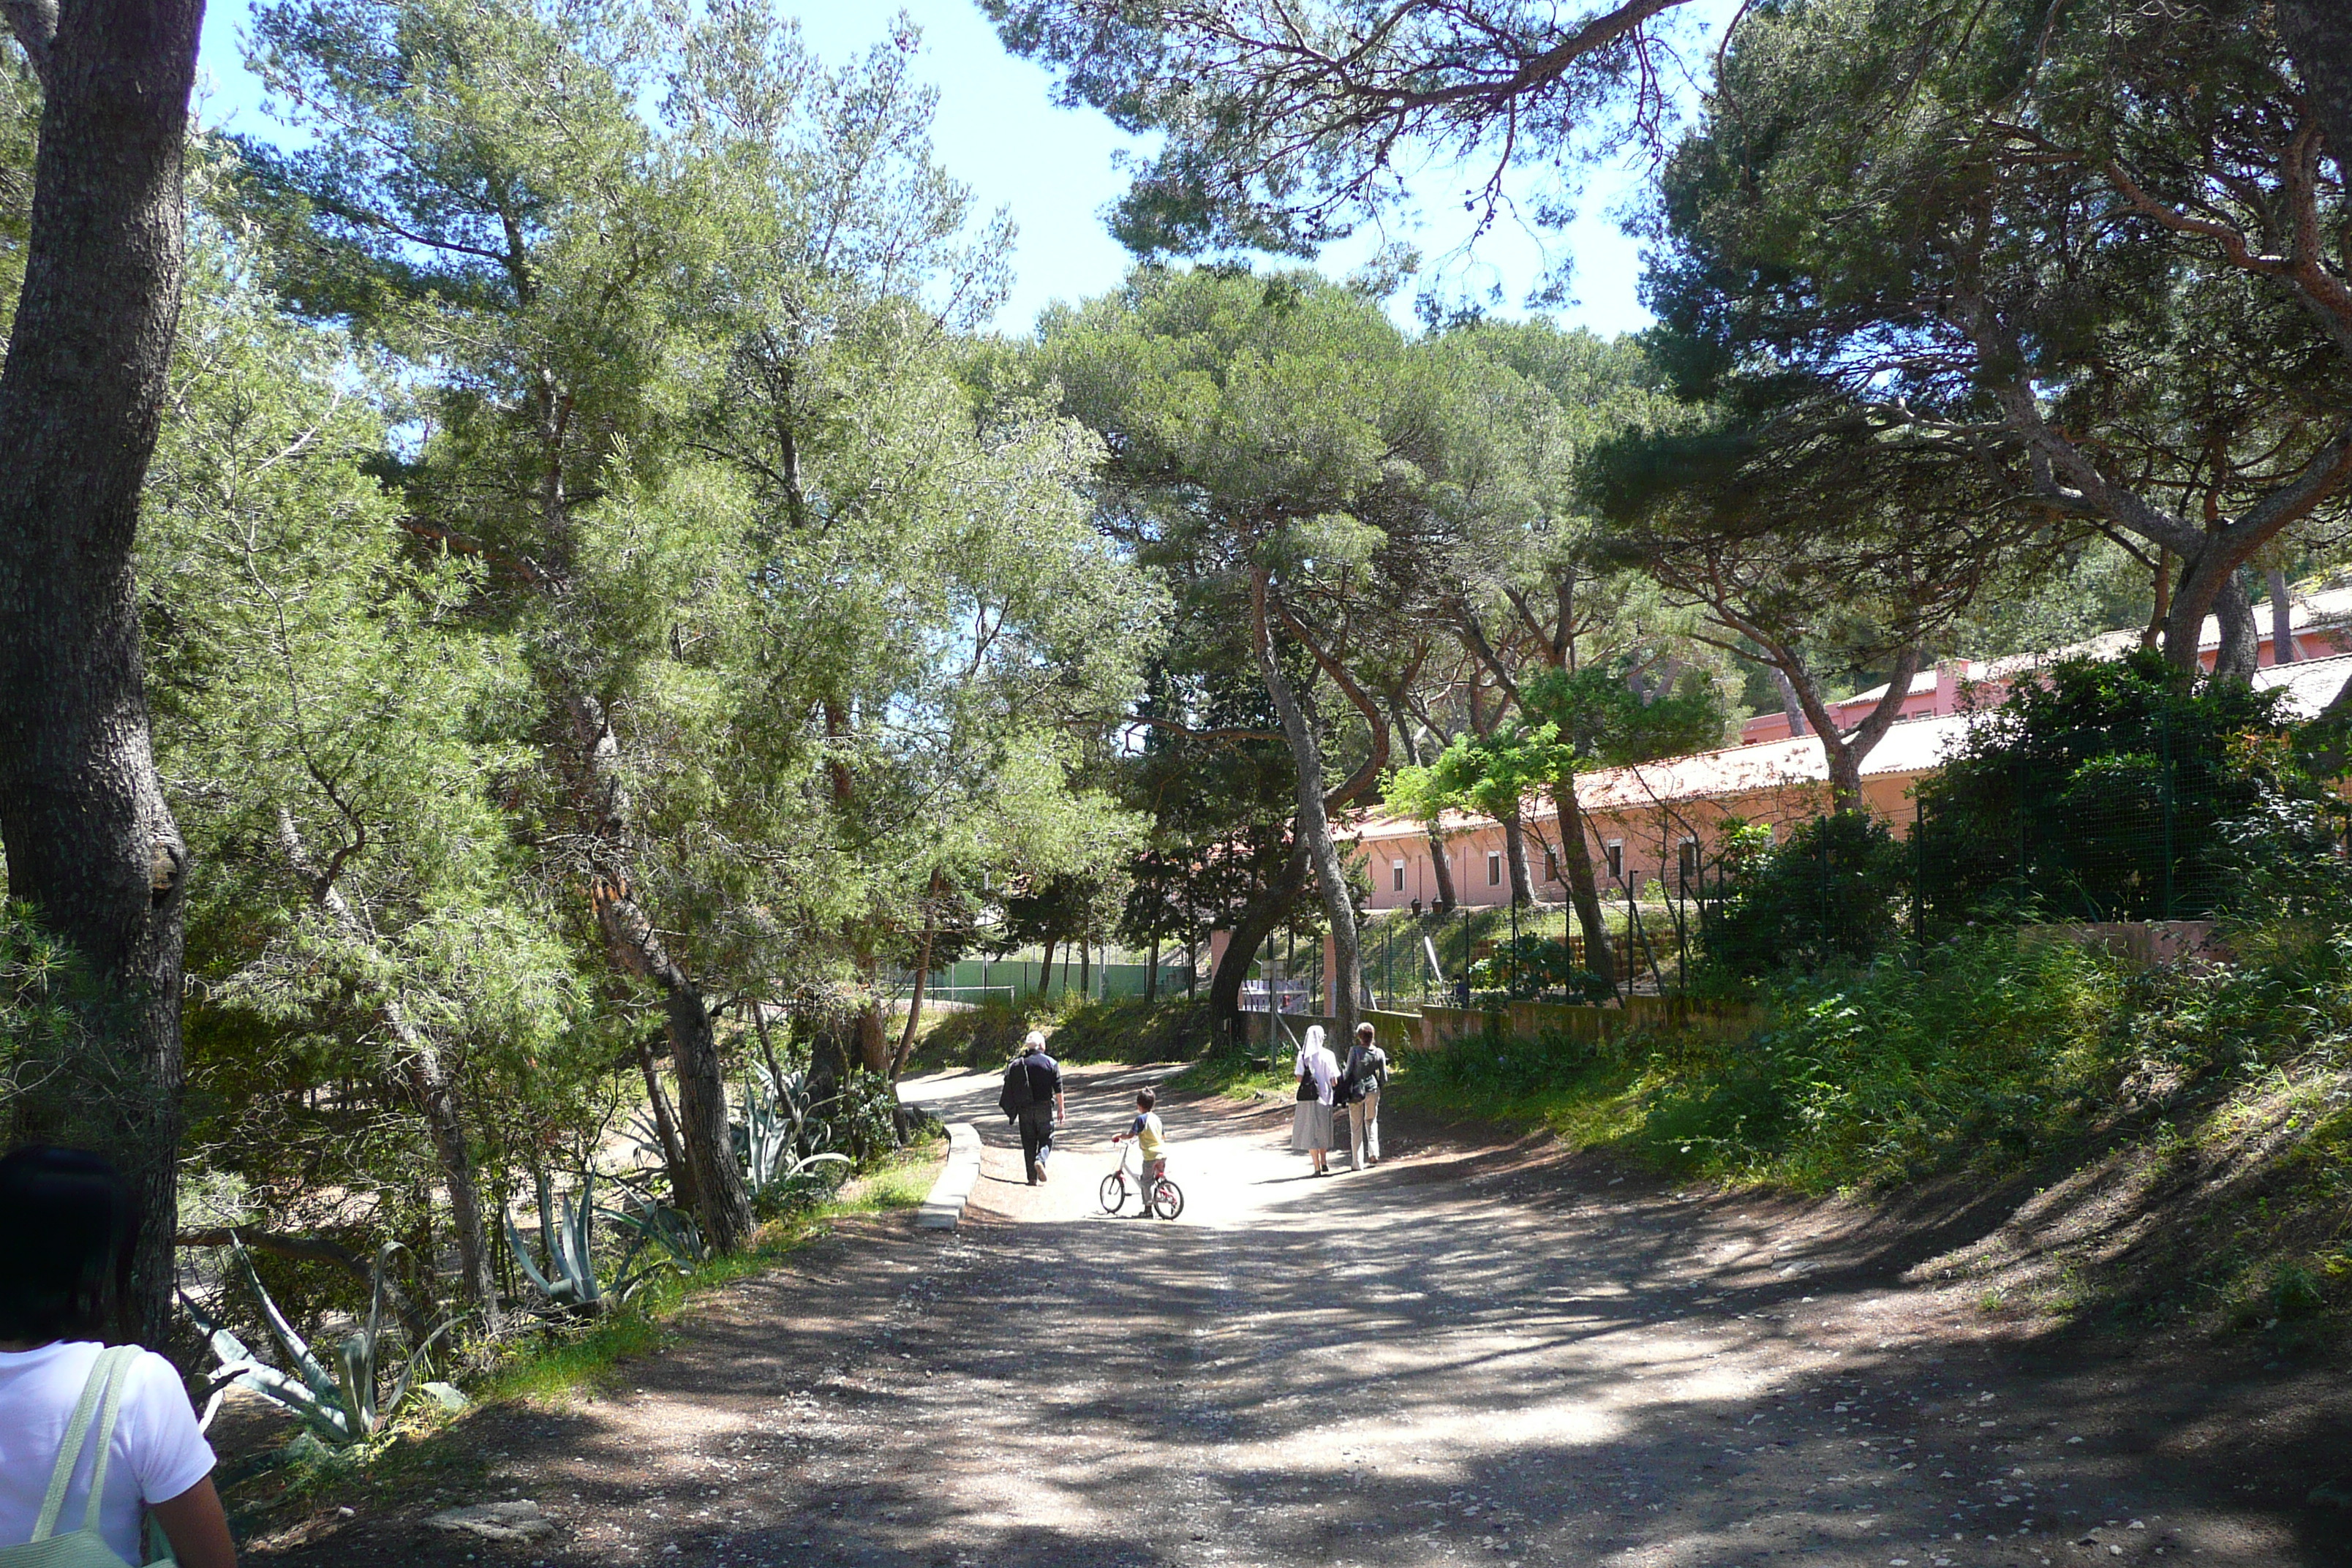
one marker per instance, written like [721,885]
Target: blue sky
[999,131]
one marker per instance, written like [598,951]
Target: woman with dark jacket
[1366,1074]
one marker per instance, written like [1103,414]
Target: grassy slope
[2181,1143]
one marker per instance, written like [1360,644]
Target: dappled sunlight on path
[1442,1360]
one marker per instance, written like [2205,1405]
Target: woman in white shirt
[66,1225]
[1310,1124]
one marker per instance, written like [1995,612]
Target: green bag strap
[102,1377]
[123,1356]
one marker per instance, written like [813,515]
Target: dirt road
[1455,1358]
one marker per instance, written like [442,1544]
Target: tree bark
[1312,826]
[1515,845]
[89,841]
[1788,704]
[722,1200]
[1085,969]
[2209,585]
[1844,752]
[873,1039]
[681,1175]
[1583,892]
[2162,586]
[2282,649]
[1152,973]
[439,1099]
[1045,970]
[2318,39]
[922,973]
[1250,929]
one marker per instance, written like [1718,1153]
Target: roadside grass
[1231,1074]
[556,1368]
[428,1449]
[2214,1106]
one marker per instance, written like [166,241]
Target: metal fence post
[1918,873]
[2164,767]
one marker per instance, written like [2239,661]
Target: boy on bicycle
[1151,1141]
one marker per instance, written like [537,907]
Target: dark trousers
[1036,1134]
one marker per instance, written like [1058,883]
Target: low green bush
[1834,892]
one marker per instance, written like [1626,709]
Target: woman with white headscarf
[1310,1125]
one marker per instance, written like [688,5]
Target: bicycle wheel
[1114,1192]
[1167,1199]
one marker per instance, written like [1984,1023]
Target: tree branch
[34,23]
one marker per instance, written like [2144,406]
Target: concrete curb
[944,1207]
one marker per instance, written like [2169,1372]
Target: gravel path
[1463,1356]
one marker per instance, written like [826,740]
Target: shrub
[1528,966]
[1834,892]
[2119,789]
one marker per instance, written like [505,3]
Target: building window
[1688,864]
[1551,865]
[1616,853]
[1493,869]
[1396,876]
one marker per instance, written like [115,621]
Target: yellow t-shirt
[1149,1142]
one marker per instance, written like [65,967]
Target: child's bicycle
[1165,1199]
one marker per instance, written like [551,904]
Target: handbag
[1306,1089]
[84,1548]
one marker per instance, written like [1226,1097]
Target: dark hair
[1364,1031]
[1146,1098]
[66,1232]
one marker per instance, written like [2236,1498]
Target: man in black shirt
[1033,1098]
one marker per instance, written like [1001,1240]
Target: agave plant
[676,1241]
[569,1283]
[777,1155]
[343,1404]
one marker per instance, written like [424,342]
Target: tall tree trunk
[1257,922]
[1045,970]
[2161,584]
[874,1051]
[1788,704]
[89,842]
[2209,585]
[922,974]
[1844,751]
[681,1174]
[1152,973]
[1515,845]
[2282,649]
[438,1096]
[1085,968]
[722,1200]
[1583,892]
[1312,826]
[2318,39]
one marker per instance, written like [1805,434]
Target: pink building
[1648,827]
[2320,623]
